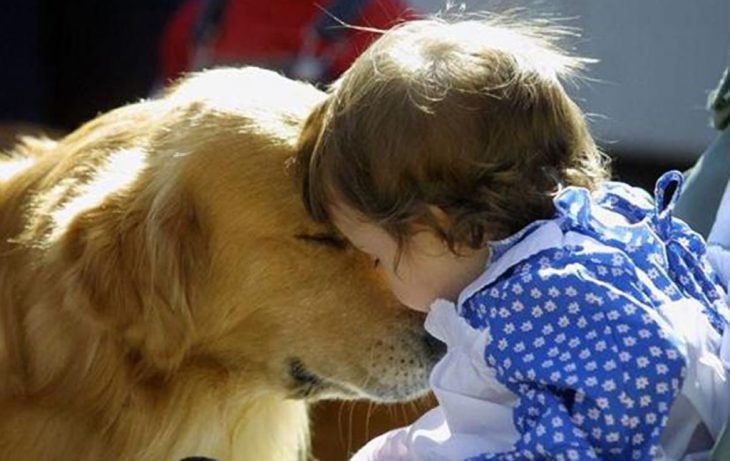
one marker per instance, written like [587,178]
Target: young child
[582,319]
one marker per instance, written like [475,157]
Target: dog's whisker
[350,434]
[340,427]
[368,414]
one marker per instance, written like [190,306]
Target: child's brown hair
[469,117]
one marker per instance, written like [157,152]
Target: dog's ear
[132,263]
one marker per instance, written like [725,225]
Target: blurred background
[64,62]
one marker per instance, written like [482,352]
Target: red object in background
[284,34]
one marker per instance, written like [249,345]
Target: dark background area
[64,62]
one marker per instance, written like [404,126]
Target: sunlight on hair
[120,171]
[531,50]
[420,46]
[455,113]
[9,168]
[409,59]
[233,91]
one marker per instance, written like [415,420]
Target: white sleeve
[431,438]
[391,446]
[475,412]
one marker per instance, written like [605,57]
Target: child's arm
[595,377]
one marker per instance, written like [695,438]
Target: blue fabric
[575,330]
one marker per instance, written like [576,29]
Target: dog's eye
[329,240]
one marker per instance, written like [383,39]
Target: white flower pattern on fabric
[578,393]
[577,334]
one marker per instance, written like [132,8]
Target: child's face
[427,270]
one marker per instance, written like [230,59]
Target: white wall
[658,61]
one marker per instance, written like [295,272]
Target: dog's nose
[436,348]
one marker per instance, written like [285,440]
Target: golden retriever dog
[164,295]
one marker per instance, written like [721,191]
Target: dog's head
[183,233]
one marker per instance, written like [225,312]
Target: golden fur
[163,293]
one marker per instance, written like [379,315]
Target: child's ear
[441,220]
[441,217]
[466,236]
